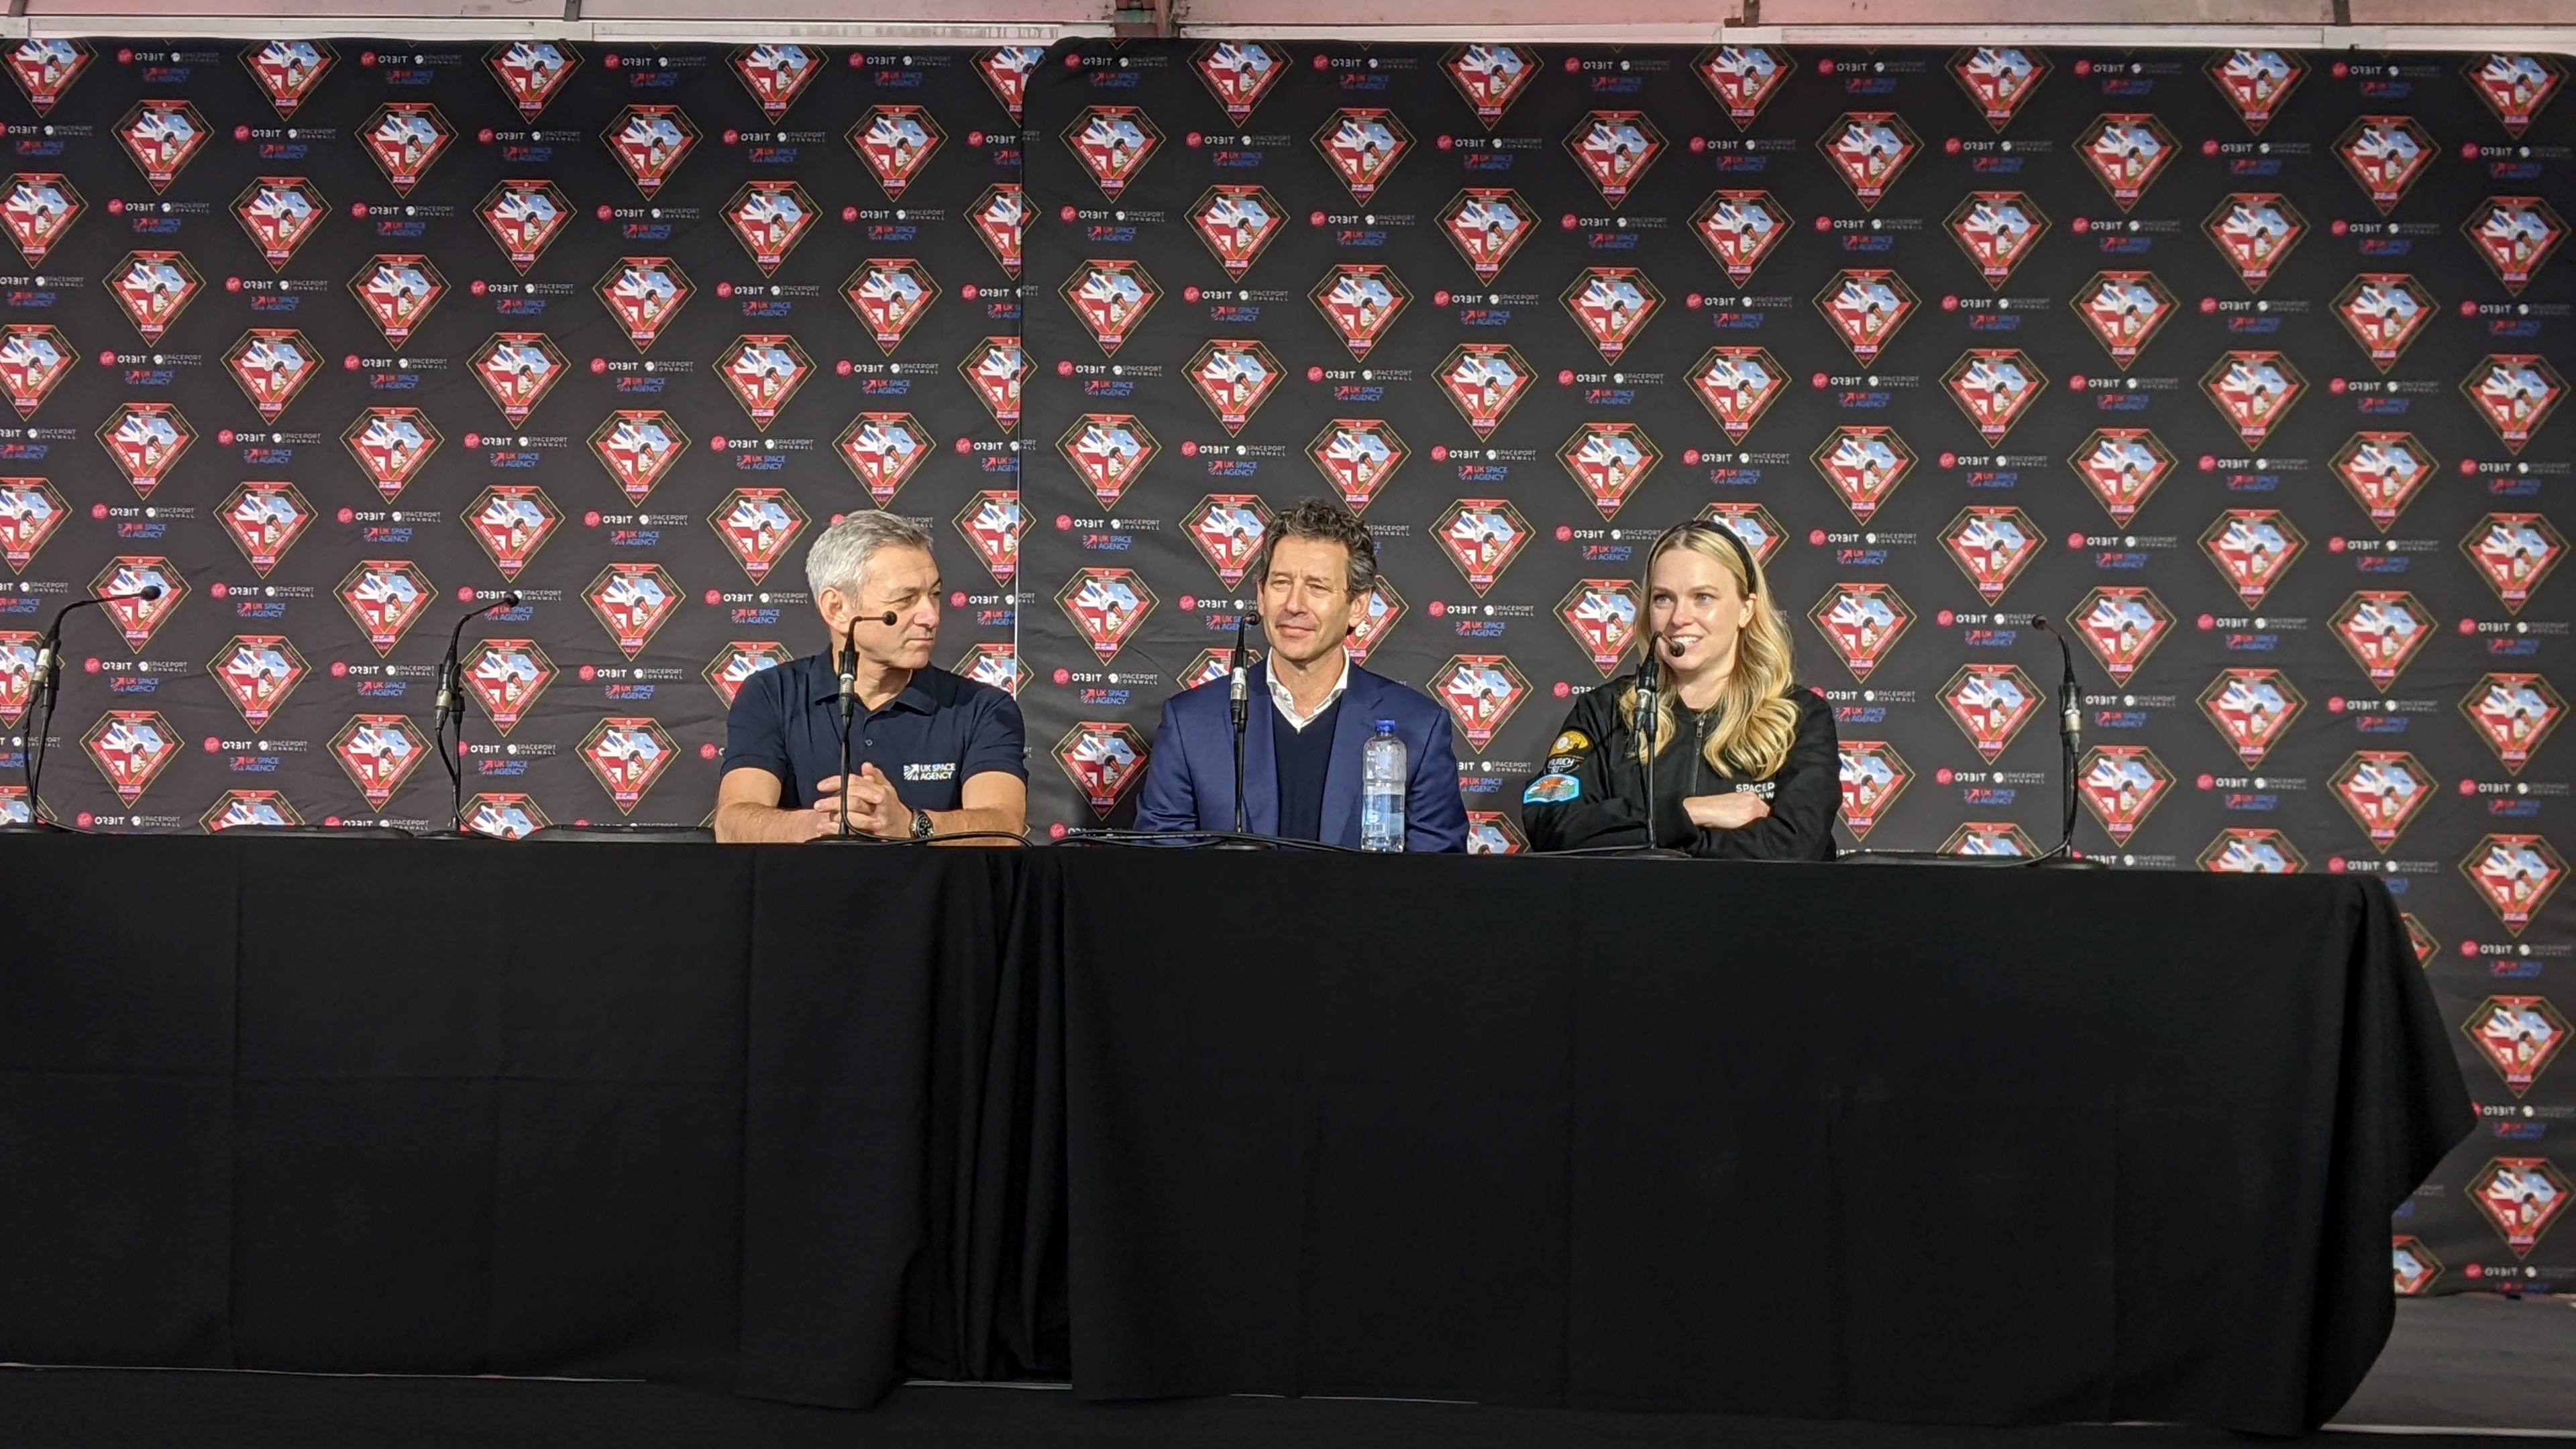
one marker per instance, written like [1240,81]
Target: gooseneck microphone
[849,703]
[46,683]
[1238,694]
[451,710]
[2070,734]
[1648,719]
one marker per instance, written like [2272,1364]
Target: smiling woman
[1710,747]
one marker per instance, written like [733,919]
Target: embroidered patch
[1572,742]
[1552,790]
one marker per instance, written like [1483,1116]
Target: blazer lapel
[1260,761]
[1351,731]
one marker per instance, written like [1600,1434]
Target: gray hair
[841,554]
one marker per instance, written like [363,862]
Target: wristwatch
[921,825]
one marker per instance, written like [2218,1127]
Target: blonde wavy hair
[1756,721]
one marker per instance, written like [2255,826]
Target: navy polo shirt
[940,732]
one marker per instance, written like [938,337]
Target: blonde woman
[1745,765]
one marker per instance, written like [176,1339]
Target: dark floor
[2456,1363]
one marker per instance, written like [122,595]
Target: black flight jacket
[1591,794]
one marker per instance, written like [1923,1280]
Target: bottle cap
[1386,726]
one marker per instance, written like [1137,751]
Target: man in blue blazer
[1312,711]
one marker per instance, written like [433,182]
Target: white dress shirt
[1287,702]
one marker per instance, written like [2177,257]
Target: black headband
[1743,555]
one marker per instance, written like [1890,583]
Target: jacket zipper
[1699,751]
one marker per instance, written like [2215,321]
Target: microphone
[2070,733]
[1238,695]
[1647,720]
[46,682]
[450,706]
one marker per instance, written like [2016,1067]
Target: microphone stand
[44,687]
[451,710]
[2070,734]
[849,706]
[1239,705]
[1649,720]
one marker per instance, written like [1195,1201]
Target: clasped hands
[874,808]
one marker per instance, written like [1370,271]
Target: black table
[461,1107]
[1901,1143]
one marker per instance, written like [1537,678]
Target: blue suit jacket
[1189,777]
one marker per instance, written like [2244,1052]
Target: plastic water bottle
[1382,790]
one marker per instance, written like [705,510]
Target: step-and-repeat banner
[336,342]
[2240,366]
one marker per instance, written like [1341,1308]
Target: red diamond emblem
[2518,1035]
[1483,380]
[139,619]
[2383,631]
[258,672]
[1358,456]
[1111,298]
[2122,785]
[1109,452]
[281,213]
[1862,622]
[992,523]
[1869,150]
[1006,70]
[505,676]
[2515,875]
[882,450]
[2515,393]
[2252,708]
[406,138]
[896,143]
[1113,143]
[2385,312]
[2252,852]
[994,662]
[650,142]
[999,218]
[392,445]
[153,288]
[1481,691]
[272,365]
[512,521]
[2254,390]
[2122,467]
[1997,229]
[763,370]
[2514,714]
[45,69]
[626,754]
[517,370]
[30,513]
[398,292]
[2515,236]
[265,520]
[1614,149]
[2515,87]
[1237,223]
[1106,605]
[758,525]
[1487,225]
[2256,83]
[2383,791]
[1239,73]
[1994,386]
[2124,311]
[1104,761]
[2255,231]
[524,218]
[1612,305]
[1740,228]
[1602,616]
[994,370]
[2386,156]
[1385,607]
[2254,547]
[638,448]
[769,218]
[162,137]
[1990,703]
[532,71]
[632,602]
[1864,465]
[2514,552]
[1362,145]
[33,362]
[146,439]
[1742,78]
[1482,536]
[1865,308]
[2384,472]
[1752,525]
[2000,79]
[644,294]
[1234,377]
[1992,546]
[1873,775]
[1490,77]
[730,670]
[890,295]
[1737,385]
[131,747]
[776,74]
[41,206]
[1609,462]
[1228,529]
[2126,153]
[1360,301]
[386,597]
[2122,627]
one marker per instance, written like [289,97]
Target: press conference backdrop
[2240,363]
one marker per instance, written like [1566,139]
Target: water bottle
[1382,790]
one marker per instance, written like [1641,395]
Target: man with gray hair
[933,754]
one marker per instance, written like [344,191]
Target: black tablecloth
[670,1112]
[1969,1145]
